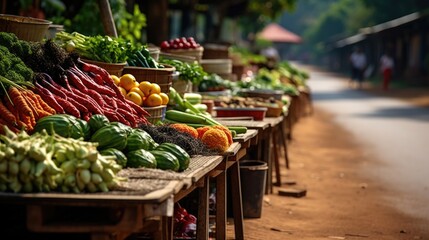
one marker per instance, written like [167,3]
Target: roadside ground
[341,201]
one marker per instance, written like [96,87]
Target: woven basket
[25,28]
[197,53]
[111,68]
[156,113]
[161,76]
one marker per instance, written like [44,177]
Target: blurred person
[272,55]
[358,66]
[386,68]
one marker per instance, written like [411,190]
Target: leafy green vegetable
[188,71]
[99,48]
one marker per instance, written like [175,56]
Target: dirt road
[341,202]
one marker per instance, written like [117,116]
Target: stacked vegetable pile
[43,162]
[187,118]
[64,83]
[131,147]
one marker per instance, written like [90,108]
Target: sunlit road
[396,133]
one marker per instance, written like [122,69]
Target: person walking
[358,65]
[386,67]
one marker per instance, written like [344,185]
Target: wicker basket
[156,113]
[111,68]
[25,28]
[197,53]
[161,76]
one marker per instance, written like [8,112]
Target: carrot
[140,111]
[43,104]
[20,124]
[128,116]
[25,113]
[82,109]
[3,122]
[110,102]
[38,110]
[86,100]
[76,81]
[68,107]
[97,97]
[48,97]
[91,84]
[6,114]
[111,115]
[46,81]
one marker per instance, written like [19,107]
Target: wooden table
[263,146]
[117,214]
[231,166]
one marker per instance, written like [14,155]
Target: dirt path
[341,203]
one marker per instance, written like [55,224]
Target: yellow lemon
[137,90]
[127,81]
[164,98]
[155,89]
[153,100]
[115,79]
[123,91]
[135,98]
[146,87]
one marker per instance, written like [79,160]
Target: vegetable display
[180,43]
[192,72]
[141,58]
[98,48]
[44,163]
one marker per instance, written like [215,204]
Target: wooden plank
[221,206]
[107,18]
[240,154]
[93,199]
[57,219]
[203,211]
[209,163]
[232,150]
[259,125]
[244,137]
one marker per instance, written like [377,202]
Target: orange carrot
[6,114]
[25,113]
[20,124]
[36,97]
[38,111]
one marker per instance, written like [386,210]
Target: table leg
[237,204]
[221,206]
[266,157]
[283,138]
[203,211]
[276,159]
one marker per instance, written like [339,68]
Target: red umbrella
[276,33]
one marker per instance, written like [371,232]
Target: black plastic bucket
[252,176]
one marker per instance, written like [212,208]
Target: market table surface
[129,209]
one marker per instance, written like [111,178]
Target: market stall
[96,139]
